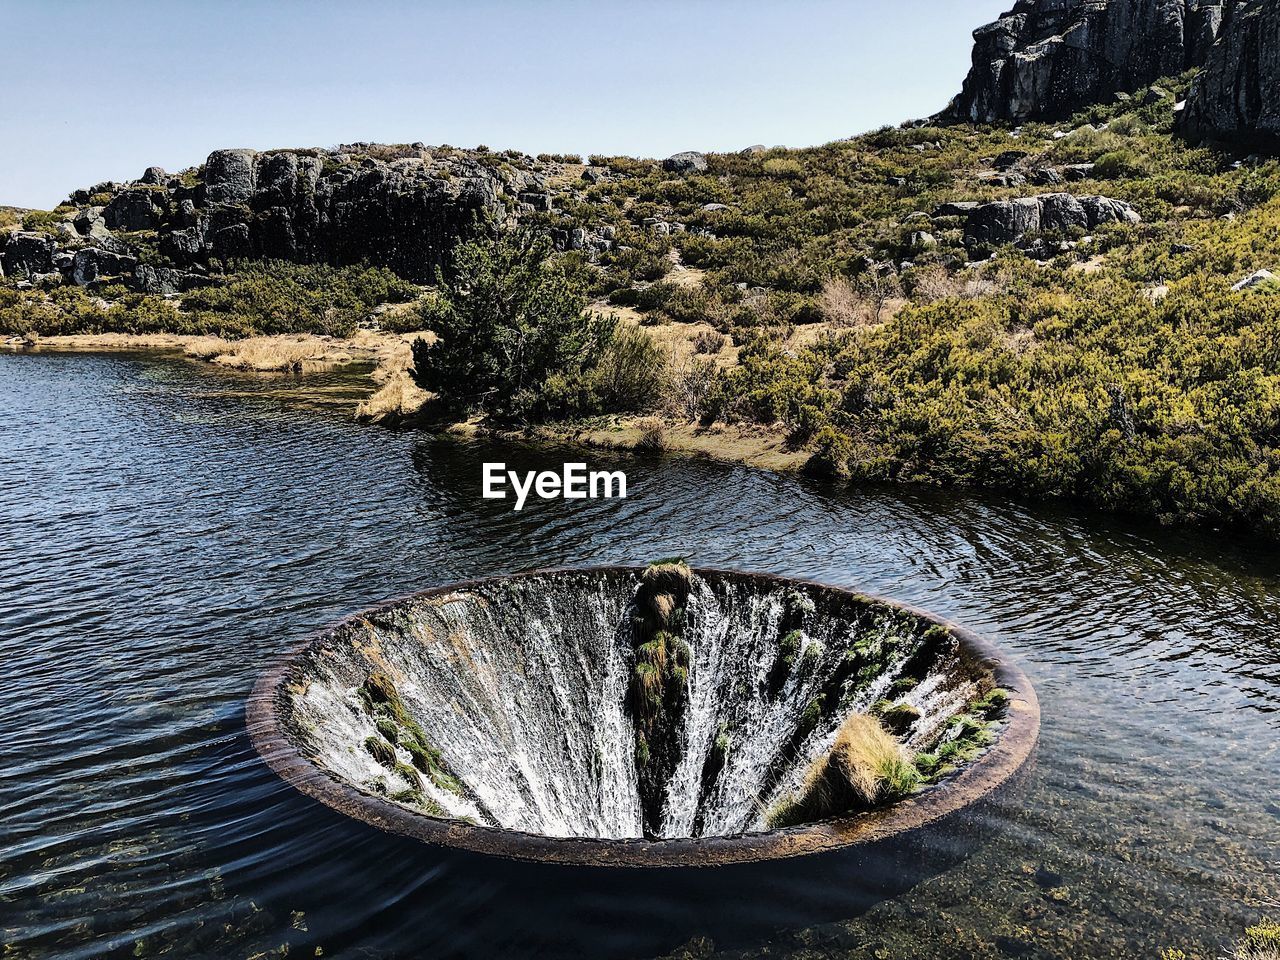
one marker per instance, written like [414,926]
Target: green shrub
[515,341]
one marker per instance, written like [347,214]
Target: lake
[169,529]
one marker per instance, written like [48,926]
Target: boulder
[27,254]
[1009,159]
[164,281]
[1104,210]
[1075,172]
[1050,58]
[1063,213]
[1237,95]
[959,208]
[91,264]
[689,161]
[1047,177]
[1261,278]
[131,210]
[154,176]
[1012,221]
[231,242]
[921,240]
[230,176]
[184,246]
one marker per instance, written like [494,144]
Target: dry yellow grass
[865,755]
[264,354]
[866,766]
[397,396]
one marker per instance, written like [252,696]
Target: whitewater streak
[521,685]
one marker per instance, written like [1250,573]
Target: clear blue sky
[100,90]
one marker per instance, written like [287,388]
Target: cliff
[1049,58]
[1237,95]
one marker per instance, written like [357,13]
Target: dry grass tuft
[866,767]
[397,395]
[269,354]
[873,299]
[1261,942]
[870,759]
[653,435]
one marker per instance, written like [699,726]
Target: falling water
[522,685]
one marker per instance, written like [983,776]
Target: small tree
[507,318]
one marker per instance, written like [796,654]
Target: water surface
[167,530]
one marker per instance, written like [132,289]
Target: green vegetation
[382,702]
[658,692]
[866,767]
[965,737]
[1122,369]
[1261,942]
[277,297]
[1125,372]
[516,342]
[270,297]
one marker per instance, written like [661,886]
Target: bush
[273,296]
[1119,164]
[516,343]
[628,377]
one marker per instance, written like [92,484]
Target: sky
[99,90]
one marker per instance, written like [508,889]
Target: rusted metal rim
[999,763]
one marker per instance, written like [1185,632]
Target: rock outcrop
[405,214]
[688,162]
[399,207]
[1049,58]
[27,254]
[1237,95]
[1003,222]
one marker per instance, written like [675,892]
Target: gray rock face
[1050,58]
[291,205]
[1013,221]
[1237,95]
[688,162]
[306,206]
[164,280]
[91,264]
[229,176]
[131,210]
[27,254]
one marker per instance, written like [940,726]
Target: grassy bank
[821,308]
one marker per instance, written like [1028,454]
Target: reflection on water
[166,531]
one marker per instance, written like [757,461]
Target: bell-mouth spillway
[644,717]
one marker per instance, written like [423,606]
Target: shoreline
[394,400]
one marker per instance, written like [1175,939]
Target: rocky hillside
[1047,59]
[402,207]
